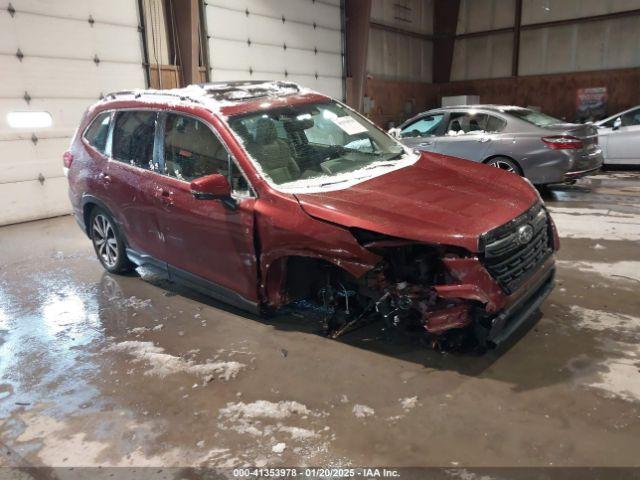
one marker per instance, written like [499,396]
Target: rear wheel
[506,164]
[108,243]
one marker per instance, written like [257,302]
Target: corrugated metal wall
[599,45]
[397,56]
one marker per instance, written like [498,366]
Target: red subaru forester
[264,194]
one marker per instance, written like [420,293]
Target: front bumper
[503,325]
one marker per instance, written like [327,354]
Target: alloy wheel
[503,165]
[104,239]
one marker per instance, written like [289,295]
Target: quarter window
[133,135]
[98,132]
[191,150]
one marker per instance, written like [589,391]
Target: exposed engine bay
[400,291]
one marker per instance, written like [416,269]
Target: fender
[274,271]
[92,199]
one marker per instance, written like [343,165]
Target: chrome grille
[510,259]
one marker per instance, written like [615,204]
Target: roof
[483,106]
[219,96]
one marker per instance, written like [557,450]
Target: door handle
[165,196]
[425,144]
[484,139]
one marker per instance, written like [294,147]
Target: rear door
[209,240]
[129,180]
[466,135]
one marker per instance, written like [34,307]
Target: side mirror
[394,132]
[617,124]
[211,187]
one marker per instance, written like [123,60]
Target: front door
[623,140]
[421,133]
[209,240]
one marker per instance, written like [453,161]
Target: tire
[505,163]
[108,243]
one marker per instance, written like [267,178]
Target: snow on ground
[257,418]
[134,302]
[272,427]
[621,378]
[596,223]
[362,411]
[279,447]
[627,269]
[408,403]
[163,364]
[602,321]
[617,373]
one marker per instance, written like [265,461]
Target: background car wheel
[505,163]
[108,242]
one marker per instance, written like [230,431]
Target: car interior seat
[473,125]
[192,150]
[454,126]
[274,153]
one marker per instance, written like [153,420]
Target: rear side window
[191,150]
[98,131]
[133,135]
[474,123]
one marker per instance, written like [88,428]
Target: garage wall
[399,56]
[597,45]
[538,11]
[489,56]
[57,57]
[478,16]
[295,40]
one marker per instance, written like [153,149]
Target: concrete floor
[97,369]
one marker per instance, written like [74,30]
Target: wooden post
[187,18]
[358,13]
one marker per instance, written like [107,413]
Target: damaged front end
[411,288]
[442,292]
[445,292]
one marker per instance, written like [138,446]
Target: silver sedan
[539,147]
[620,137]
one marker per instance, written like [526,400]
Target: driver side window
[425,126]
[191,150]
[631,119]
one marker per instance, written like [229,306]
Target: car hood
[439,199]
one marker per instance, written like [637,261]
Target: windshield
[533,117]
[315,144]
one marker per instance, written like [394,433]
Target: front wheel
[506,164]
[108,243]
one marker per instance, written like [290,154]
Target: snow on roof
[216,95]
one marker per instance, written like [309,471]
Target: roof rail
[140,93]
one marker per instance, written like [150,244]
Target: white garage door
[295,40]
[56,57]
